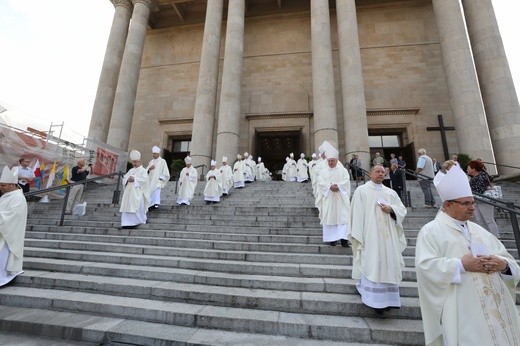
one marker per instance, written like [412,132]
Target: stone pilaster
[466,102]
[102,109]
[230,95]
[496,83]
[123,110]
[205,102]
[352,85]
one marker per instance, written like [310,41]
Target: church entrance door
[274,147]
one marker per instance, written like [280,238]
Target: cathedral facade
[216,78]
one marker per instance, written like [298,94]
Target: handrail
[67,187]
[510,207]
[501,165]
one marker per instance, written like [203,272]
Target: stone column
[496,83]
[324,98]
[104,101]
[466,102]
[230,94]
[123,110]
[352,84]
[205,102]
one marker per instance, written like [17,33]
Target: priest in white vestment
[312,166]
[285,169]
[262,174]
[226,174]
[13,219]
[213,188]
[320,165]
[187,183]
[466,278]
[249,168]
[291,169]
[334,189]
[136,194]
[239,173]
[158,176]
[302,173]
[377,237]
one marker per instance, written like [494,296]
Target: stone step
[101,330]
[218,265]
[86,271]
[323,303]
[300,325]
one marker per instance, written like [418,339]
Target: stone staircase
[251,270]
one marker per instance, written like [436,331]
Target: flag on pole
[42,170]
[50,180]
[36,168]
[65,176]
[37,173]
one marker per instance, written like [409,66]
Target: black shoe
[129,227]
[345,243]
[380,312]
[208,202]
[156,206]
[332,243]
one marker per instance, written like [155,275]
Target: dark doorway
[179,149]
[386,142]
[274,147]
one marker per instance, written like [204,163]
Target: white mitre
[329,150]
[135,155]
[187,160]
[453,184]
[224,159]
[8,177]
[213,163]
[156,149]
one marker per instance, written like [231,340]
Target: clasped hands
[483,264]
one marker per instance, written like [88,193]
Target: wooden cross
[443,130]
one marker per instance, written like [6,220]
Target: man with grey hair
[78,173]
[378,241]
[425,168]
[465,276]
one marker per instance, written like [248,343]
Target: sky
[51,54]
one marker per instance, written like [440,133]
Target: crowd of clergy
[466,278]
[142,186]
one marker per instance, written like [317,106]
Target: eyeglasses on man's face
[465,203]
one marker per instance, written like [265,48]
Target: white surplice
[186,185]
[213,188]
[464,308]
[226,174]
[157,179]
[377,244]
[238,174]
[334,206]
[136,194]
[302,171]
[13,220]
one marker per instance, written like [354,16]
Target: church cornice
[401,111]
[175,121]
[253,116]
